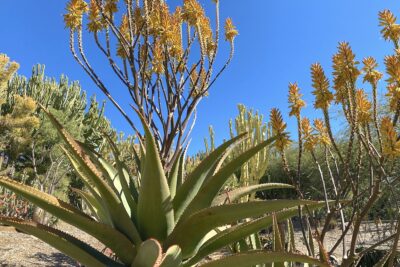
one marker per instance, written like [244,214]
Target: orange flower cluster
[295,101]
[391,146]
[75,11]
[279,130]
[323,97]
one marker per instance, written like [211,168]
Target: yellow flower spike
[124,29]
[392,64]
[393,94]
[278,129]
[371,75]
[158,58]
[96,23]
[138,19]
[111,7]
[345,71]
[391,147]
[206,36]
[320,83]
[295,101]
[192,12]
[322,136]
[230,30]
[363,107]
[307,132]
[75,10]
[390,29]
[175,38]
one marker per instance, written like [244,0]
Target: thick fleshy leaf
[252,258]
[155,212]
[209,191]
[311,241]
[238,232]
[174,173]
[236,194]
[278,243]
[97,209]
[189,233]
[85,167]
[107,235]
[120,180]
[64,242]
[291,242]
[149,253]
[194,181]
[172,258]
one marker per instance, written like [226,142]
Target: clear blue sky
[278,41]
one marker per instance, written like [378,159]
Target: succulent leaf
[104,233]
[208,192]
[252,258]
[187,192]
[236,194]
[149,254]
[155,212]
[64,242]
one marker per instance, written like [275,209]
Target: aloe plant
[140,217]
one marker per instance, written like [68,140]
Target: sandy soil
[18,249]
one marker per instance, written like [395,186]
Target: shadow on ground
[55,259]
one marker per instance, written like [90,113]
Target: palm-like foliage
[157,211]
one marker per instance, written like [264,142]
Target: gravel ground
[18,249]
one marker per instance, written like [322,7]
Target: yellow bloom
[279,130]
[158,58]
[230,30]
[124,29]
[192,12]
[323,97]
[393,95]
[345,71]
[309,138]
[322,133]
[390,29]
[295,101]
[392,64]
[371,75]
[391,146]
[96,23]
[75,10]
[111,7]
[363,107]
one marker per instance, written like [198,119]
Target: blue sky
[278,42]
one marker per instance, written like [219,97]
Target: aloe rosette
[158,218]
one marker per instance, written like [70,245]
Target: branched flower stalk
[155,58]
